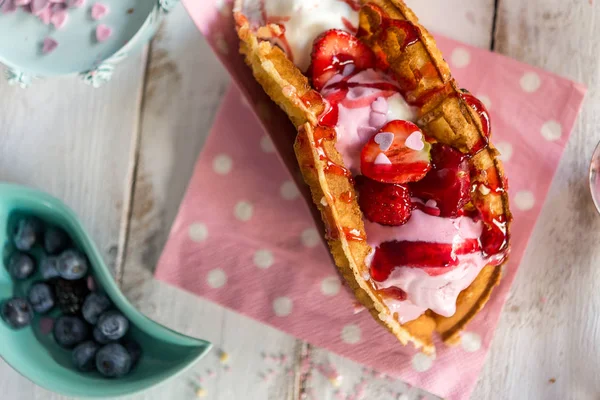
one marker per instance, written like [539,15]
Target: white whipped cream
[304,20]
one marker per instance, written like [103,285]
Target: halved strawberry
[398,153]
[383,203]
[332,51]
[448,183]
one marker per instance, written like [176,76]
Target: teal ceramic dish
[133,23]
[37,357]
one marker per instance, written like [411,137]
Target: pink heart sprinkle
[46,325]
[415,141]
[49,45]
[37,6]
[20,3]
[384,140]
[9,6]
[59,18]
[45,16]
[103,32]
[377,120]
[382,159]
[99,11]
[380,105]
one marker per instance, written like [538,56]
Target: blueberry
[70,295]
[49,267]
[21,266]
[112,325]
[69,331]
[16,312]
[41,297]
[55,240]
[94,305]
[113,361]
[134,349]
[72,265]
[100,337]
[27,232]
[84,356]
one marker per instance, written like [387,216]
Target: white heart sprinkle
[384,140]
[382,160]
[415,141]
[431,204]
[348,69]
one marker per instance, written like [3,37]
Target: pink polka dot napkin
[245,236]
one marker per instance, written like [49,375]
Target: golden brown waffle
[444,115]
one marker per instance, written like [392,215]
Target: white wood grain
[469,21]
[70,140]
[185,83]
[558,339]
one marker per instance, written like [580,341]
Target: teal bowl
[37,357]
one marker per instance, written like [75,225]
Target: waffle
[443,114]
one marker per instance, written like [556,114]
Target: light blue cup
[37,357]
[133,22]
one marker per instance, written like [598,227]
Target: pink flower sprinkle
[103,32]
[59,18]
[99,11]
[49,45]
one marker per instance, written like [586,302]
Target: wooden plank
[184,87]
[550,328]
[469,21]
[70,140]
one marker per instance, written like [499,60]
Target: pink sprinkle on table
[103,32]
[99,11]
[49,45]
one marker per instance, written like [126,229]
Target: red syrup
[433,258]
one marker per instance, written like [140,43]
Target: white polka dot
[470,341]
[551,130]
[221,44]
[505,149]
[289,190]
[216,278]
[243,210]
[266,144]
[330,286]
[530,82]
[263,258]
[461,57]
[198,232]
[421,362]
[351,334]
[222,164]
[310,237]
[486,101]
[524,200]
[282,306]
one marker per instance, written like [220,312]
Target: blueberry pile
[86,322]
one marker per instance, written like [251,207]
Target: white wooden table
[122,155]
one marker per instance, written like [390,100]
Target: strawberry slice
[448,183]
[383,203]
[398,153]
[333,51]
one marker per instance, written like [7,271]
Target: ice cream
[304,20]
